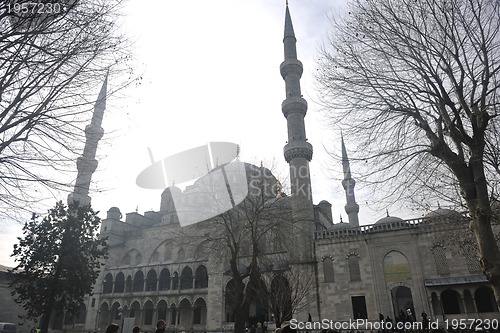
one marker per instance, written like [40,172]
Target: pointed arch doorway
[398,279]
[402,302]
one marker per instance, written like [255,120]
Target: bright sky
[211,73]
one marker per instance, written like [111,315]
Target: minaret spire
[351,207]
[87,164]
[288,24]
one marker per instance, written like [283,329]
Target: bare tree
[289,292]
[248,241]
[53,56]
[416,84]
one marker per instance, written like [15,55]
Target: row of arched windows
[185,313]
[450,302]
[152,282]
[352,265]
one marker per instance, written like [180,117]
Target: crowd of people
[262,328]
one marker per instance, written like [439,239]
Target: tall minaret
[87,164]
[351,207]
[298,152]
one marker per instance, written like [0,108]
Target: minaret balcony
[291,66]
[86,165]
[94,132]
[348,183]
[294,104]
[298,149]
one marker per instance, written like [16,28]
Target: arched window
[151,281]
[485,300]
[148,313]
[107,286]
[104,315]
[135,310]
[353,264]
[115,312]
[138,282]
[201,277]
[451,302]
[186,278]
[162,310]
[328,270]
[119,283]
[440,260]
[200,312]
[164,283]
[186,313]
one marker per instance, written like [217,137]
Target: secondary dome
[114,213]
[443,213]
[389,219]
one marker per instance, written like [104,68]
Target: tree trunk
[488,247]
[44,325]
[240,318]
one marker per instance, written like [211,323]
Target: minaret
[298,152]
[87,164]
[351,207]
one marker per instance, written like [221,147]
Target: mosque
[389,268]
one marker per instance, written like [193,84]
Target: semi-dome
[389,219]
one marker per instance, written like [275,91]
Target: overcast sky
[210,73]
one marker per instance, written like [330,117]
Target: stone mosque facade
[360,272]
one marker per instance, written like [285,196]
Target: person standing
[136,329]
[161,325]
[113,328]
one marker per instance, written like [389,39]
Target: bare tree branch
[415,83]
[52,58]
